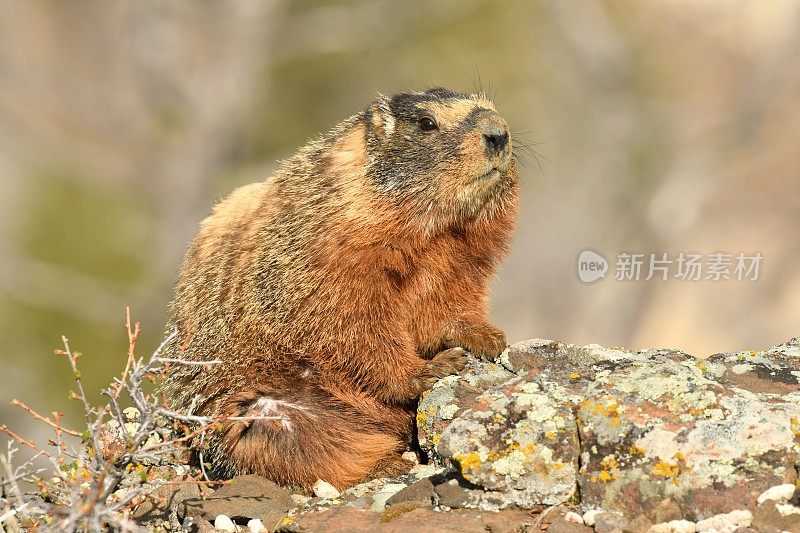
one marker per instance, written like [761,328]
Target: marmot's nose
[495,140]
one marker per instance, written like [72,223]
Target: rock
[780,493]
[657,433]
[590,516]
[450,396]
[562,525]
[380,497]
[346,519]
[573,517]
[640,524]
[165,501]
[411,457]
[768,517]
[518,442]
[198,525]
[423,471]
[453,495]
[726,521]
[256,526]
[244,497]
[300,499]
[225,524]
[421,492]
[787,509]
[674,526]
[323,489]
[609,522]
[774,372]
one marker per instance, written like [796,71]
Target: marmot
[338,289]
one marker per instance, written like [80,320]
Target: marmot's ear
[381,118]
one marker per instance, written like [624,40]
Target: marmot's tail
[298,436]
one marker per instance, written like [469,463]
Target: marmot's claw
[450,361]
[482,340]
[445,363]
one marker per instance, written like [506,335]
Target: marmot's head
[447,154]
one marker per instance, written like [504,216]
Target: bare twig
[27,443]
[55,425]
[133,336]
[115,439]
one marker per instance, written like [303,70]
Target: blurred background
[665,126]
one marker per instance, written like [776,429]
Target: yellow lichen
[609,467]
[529,448]
[469,462]
[574,375]
[609,462]
[665,469]
[610,410]
[636,450]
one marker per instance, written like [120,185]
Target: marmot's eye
[427,124]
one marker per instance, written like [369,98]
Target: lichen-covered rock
[450,396]
[652,433]
[660,437]
[518,442]
[773,373]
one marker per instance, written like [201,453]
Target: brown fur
[336,290]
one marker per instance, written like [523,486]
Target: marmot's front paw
[481,340]
[445,363]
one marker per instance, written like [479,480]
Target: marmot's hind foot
[304,436]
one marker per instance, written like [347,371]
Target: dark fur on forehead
[441,92]
[405,104]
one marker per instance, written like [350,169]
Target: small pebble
[224,523]
[673,526]
[590,517]
[575,518]
[300,499]
[726,521]
[256,526]
[780,493]
[785,509]
[410,456]
[323,489]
